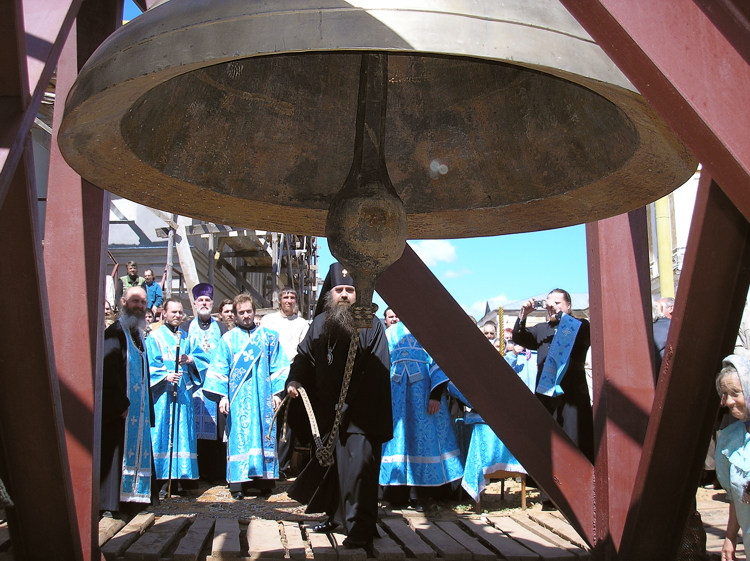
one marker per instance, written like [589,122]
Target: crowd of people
[188,399]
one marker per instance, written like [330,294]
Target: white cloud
[433,252]
[476,310]
[456,273]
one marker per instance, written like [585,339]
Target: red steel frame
[624,505]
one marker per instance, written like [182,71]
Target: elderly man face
[203,307]
[134,302]
[489,331]
[148,274]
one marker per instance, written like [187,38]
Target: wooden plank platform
[226,543]
[115,547]
[264,540]
[191,545]
[532,535]
[530,540]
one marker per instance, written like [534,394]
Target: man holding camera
[561,344]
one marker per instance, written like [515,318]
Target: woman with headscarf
[733,451]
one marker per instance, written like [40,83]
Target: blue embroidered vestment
[249,367]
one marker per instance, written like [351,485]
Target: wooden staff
[174,411]
[501,329]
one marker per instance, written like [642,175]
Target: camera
[540,304]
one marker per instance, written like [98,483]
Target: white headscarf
[741,363]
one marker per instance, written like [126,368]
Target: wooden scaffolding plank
[116,546]
[295,545]
[527,538]
[321,545]
[550,536]
[191,545]
[558,525]
[478,551]
[408,539]
[226,542]
[264,540]
[446,546]
[108,527]
[160,536]
[385,549]
[507,547]
[346,554]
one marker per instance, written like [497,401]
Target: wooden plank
[478,551]
[295,545]
[446,546]
[191,545]
[550,536]
[160,536]
[385,549]
[226,542]
[558,525]
[116,546]
[346,554]
[403,534]
[108,527]
[497,540]
[527,538]
[321,545]
[264,540]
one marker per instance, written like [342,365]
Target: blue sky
[500,269]
[497,269]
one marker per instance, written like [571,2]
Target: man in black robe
[115,402]
[572,409]
[351,497]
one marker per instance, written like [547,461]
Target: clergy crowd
[184,399]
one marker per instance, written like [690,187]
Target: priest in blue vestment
[424,451]
[247,376]
[167,370]
[203,336]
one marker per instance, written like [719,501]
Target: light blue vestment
[487,453]
[136,457]
[424,450]
[162,346]
[733,471]
[558,357]
[201,345]
[249,367]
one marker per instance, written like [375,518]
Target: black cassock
[572,409]
[114,403]
[349,492]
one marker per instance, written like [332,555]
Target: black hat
[337,276]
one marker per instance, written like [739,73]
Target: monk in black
[572,409]
[351,499]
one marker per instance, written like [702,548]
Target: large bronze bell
[501,117]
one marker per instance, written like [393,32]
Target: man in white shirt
[292,330]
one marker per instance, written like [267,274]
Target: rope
[324,451]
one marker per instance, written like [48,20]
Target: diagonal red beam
[708,307]
[35,469]
[493,388]
[29,49]
[622,354]
[693,74]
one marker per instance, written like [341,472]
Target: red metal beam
[692,72]
[622,358]
[76,232]
[493,388]
[42,523]
[28,55]
[707,313]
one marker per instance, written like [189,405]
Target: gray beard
[339,320]
[130,321]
